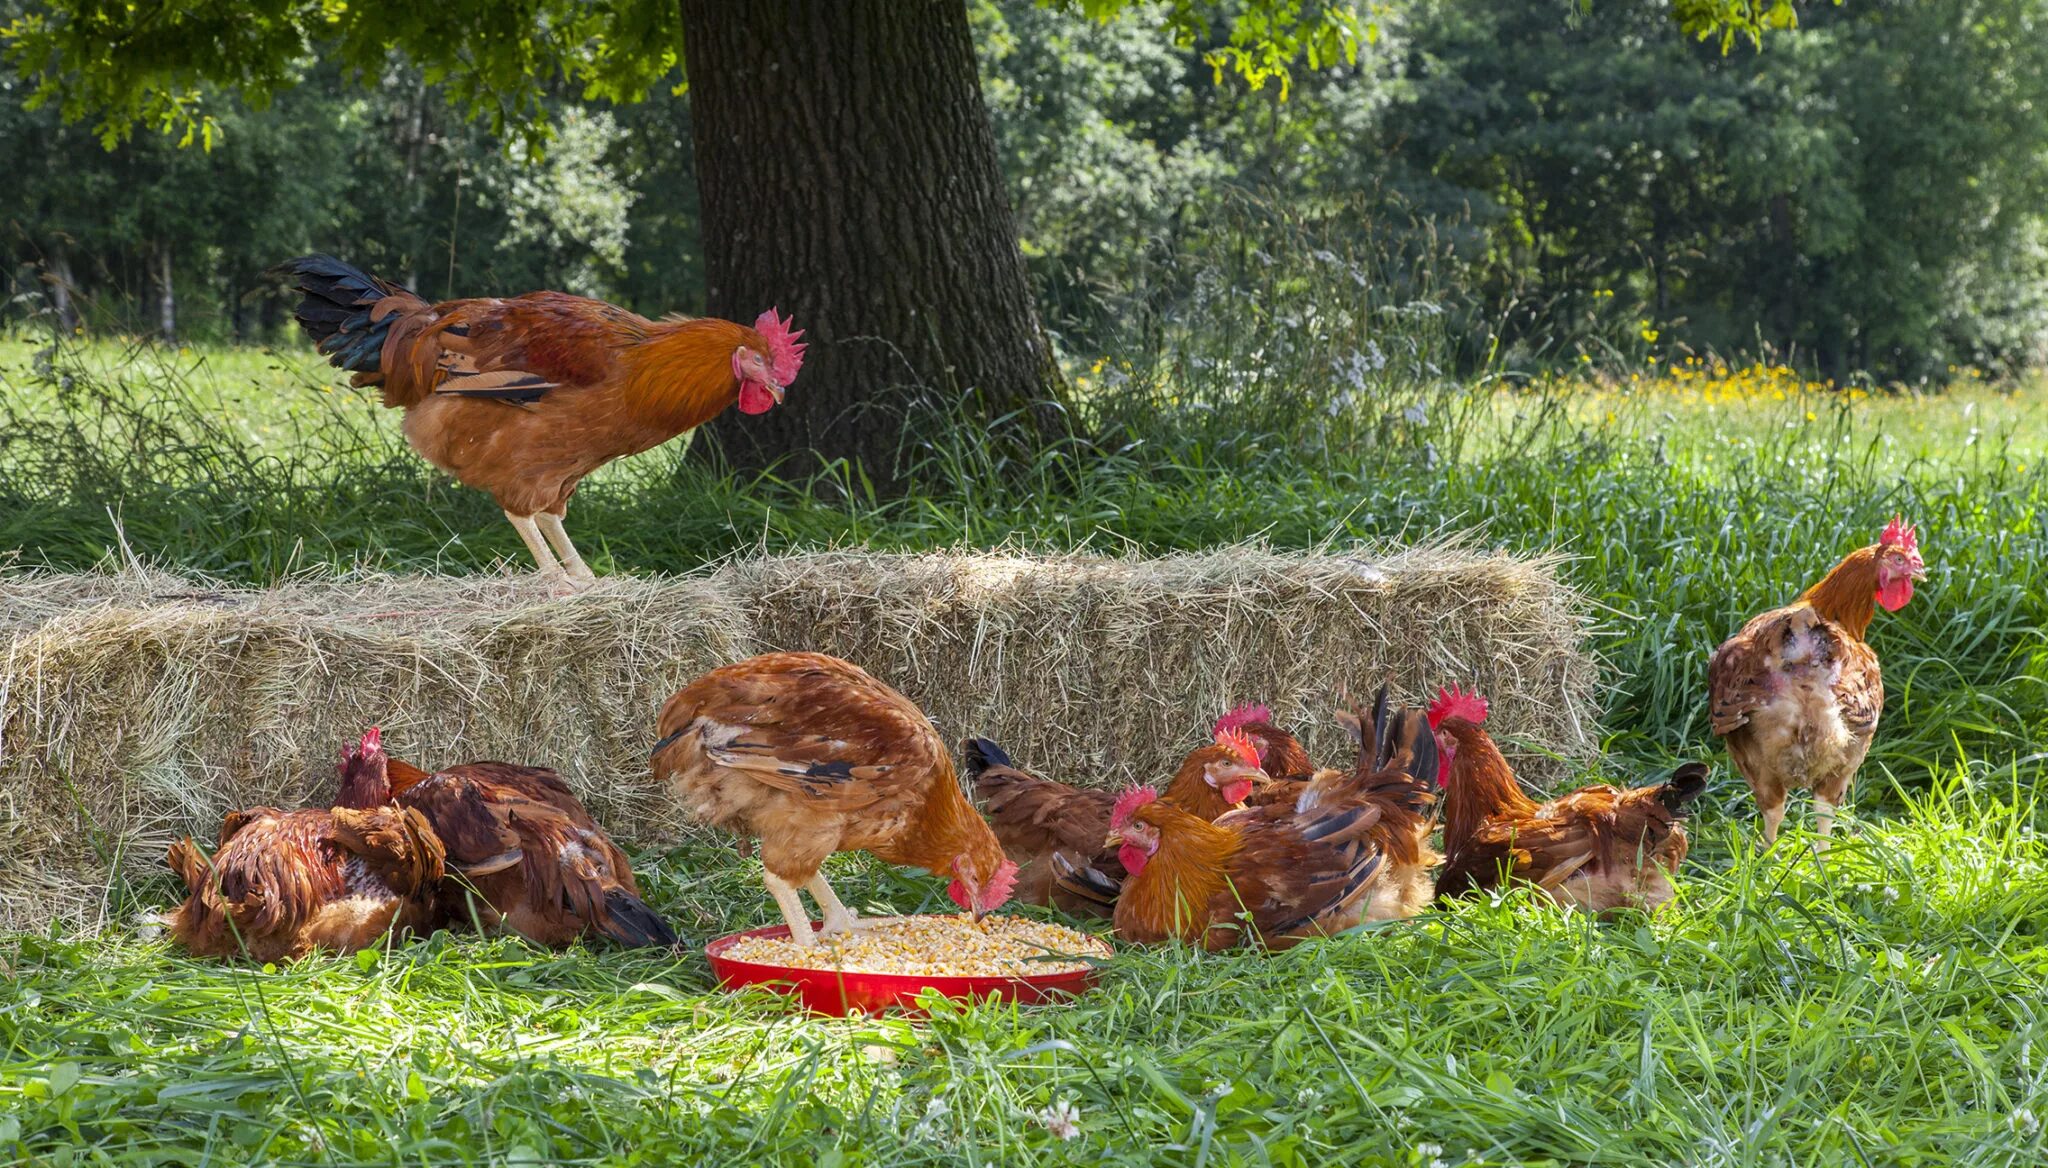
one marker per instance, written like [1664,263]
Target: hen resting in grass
[522,852]
[1597,849]
[282,884]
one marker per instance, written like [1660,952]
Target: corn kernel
[936,946]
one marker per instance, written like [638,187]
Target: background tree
[845,157]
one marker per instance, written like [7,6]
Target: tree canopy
[122,64]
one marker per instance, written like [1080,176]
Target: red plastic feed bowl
[828,991]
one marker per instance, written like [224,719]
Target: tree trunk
[849,178]
[62,284]
[166,299]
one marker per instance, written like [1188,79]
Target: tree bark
[849,177]
[166,299]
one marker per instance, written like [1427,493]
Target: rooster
[1797,692]
[1034,817]
[1276,873]
[281,884]
[813,756]
[523,397]
[1597,849]
[521,851]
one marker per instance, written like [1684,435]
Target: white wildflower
[2024,1122]
[1062,1119]
[1891,894]
[935,1110]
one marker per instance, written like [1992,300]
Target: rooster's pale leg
[543,558]
[558,536]
[1772,817]
[792,907]
[838,917]
[1823,821]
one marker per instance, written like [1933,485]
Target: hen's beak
[1114,839]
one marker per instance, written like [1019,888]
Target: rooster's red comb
[373,739]
[1240,743]
[1241,717]
[1452,702]
[1900,534]
[1127,805]
[785,351]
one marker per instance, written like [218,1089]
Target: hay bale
[152,707]
[1102,670]
[135,707]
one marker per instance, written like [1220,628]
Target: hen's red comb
[1241,717]
[1452,702]
[373,739]
[1241,744]
[1127,805]
[785,351]
[1900,534]
[1001,884]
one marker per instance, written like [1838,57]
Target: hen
[1797,692]
[1597,849]
[813,756]
[523,397]
[1034,817]
[1273,874]
[281,884]
[1280,753]
[521,850]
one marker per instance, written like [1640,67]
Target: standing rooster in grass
[813,756]
[1797,692]
[521,850]
[523,397]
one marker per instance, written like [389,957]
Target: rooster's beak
[1114,839]
[774,389]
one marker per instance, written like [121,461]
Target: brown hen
[1797,693]
[1597,849]
[813,756]
[282,884]
[522,852]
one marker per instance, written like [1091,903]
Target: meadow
[1880,1007]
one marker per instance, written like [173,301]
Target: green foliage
[124,63]
[1866,193]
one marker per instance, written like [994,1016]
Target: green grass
[1880,1008]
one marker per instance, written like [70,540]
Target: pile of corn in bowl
[935,946]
